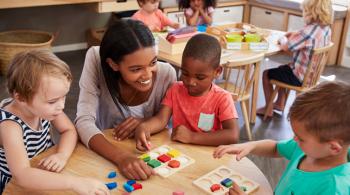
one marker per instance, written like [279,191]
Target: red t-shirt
[204,113]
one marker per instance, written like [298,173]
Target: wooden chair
[312,75]
[244,72]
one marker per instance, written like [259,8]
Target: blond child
[316,33]
[38,83]
[198,12]
[153,17]
[202,112]
[319,152]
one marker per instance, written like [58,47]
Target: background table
[85,162]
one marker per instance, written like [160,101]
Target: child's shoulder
[219,91]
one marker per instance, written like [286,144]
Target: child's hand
[126,129]
[236,190]
[154,28]
[134,168]
[91,186]
[142,138]
[241,150]
[54,162]
[175,25]
[182,134]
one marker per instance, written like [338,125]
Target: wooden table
[235,56]
[85,162]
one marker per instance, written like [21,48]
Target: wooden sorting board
[221,173]
[164,170]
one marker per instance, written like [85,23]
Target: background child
[202,112]
[153,17]
[38,83]
[316,33]
[198,12]
[319,153]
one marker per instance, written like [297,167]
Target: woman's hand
[126,129]
[182,134]
[241,150]
[54,162]
[134,168]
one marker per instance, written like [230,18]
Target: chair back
[316,66]
[240,76]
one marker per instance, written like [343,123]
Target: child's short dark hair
[205,48]
[183,4]
[324,110]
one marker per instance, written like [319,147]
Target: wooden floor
[278,128]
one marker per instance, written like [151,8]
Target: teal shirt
[295,182]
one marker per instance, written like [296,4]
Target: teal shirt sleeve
[286,148]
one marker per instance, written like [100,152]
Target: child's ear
[18,97]
[112,64]
[218,71]
[335,146]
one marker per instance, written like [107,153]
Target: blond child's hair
[319,11]
[27,69]
[324,111]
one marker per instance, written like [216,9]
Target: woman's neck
[133,97]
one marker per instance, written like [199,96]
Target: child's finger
[242,154]
[46,162]
[55,167]
[51,165]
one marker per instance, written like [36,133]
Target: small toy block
[112,174]
[130,182]
[243,188]
[174,164]
[178,193]
[145,157]
[215,187]
[154,163]
[111,185]
[227,182]
[128,187]
[137,186]
[164,158]
[174,153]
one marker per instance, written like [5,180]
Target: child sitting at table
[319,152]
[316,33]
[202,112]
[153,17]
[38,82]
[198,12]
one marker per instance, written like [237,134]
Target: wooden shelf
[113,6]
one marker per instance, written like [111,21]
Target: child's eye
[153,63]
[135,69]
[200,78]
[52,102]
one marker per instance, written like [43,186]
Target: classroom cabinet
[266,18]
[224,15]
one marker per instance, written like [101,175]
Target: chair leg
[285,103]
[246,119]
[269,107]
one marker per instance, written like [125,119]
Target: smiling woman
[121,84]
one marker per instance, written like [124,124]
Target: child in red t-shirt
[202,112]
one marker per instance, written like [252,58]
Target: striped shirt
[303,42]
[35,142]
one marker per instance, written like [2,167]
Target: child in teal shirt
[319,152]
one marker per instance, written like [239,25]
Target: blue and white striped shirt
[35,142]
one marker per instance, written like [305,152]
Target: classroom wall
[70,21]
